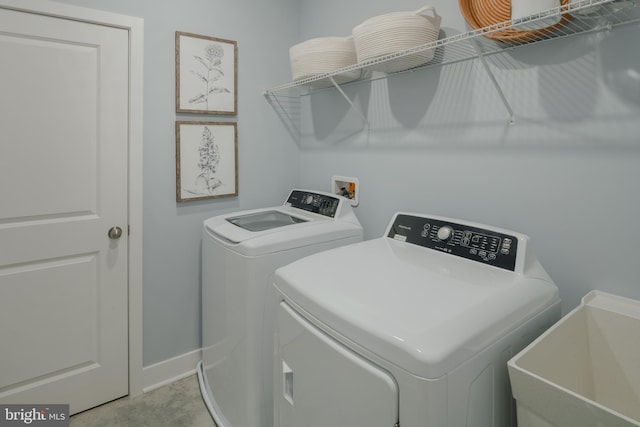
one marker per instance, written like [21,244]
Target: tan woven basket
[483,13]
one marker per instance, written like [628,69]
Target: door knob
[115,233]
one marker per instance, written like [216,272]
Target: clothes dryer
[240,252]
[413,329]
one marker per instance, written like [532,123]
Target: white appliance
[412,329]
[240,252]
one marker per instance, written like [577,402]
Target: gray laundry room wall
[267,156]
[566,173]
[440,142]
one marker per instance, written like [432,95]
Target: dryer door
[319,382]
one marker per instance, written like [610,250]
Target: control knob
[309,199]
[445,233]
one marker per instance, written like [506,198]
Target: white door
[63,185]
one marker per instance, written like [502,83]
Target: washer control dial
[445,233]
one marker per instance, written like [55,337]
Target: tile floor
[178,404]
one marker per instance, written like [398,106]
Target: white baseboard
[170,370]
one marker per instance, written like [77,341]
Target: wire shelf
[585,16]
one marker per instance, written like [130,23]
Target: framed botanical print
[206,160]
[206,74]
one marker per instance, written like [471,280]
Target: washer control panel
[314,202]
[476,244]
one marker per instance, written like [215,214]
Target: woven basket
[483,13]
[395,32]
[323,55]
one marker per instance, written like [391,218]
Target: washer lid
[258,232]
[305,218]
[265,220]
[422,310]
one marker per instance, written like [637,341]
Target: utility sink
[583,371]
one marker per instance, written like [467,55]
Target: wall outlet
[346,186]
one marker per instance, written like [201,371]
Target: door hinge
[128,230]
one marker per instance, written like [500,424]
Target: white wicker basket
[323,55]
[395,32]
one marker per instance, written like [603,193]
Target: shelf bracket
[496,85]
[353,106]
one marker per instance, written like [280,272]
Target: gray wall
[439,142]
[268,158]
[566,173]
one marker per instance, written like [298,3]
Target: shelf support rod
[353,106]
[291,124]
[505,101]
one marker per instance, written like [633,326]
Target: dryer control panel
[476,244]
[322,204]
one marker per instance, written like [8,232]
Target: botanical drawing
[212,63]
[206,74]
[207,181]
[206,160]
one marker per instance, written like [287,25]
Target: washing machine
[413,329]
[240,252]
